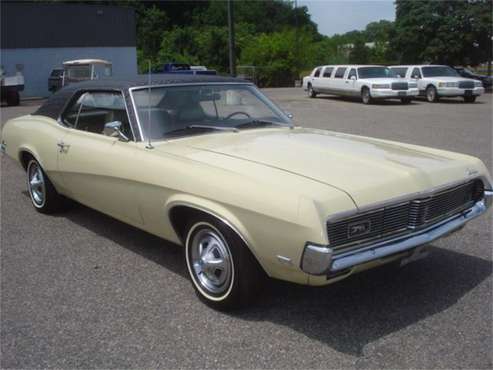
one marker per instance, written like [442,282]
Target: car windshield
[375,72]
[192,109]
[439,71]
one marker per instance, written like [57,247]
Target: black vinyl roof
[55,25]
[54,106]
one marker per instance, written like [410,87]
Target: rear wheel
[311,92]
[406,100]
[470,99]
[44,197]
[431,94]
[366,96]
[223,271]
[12,98]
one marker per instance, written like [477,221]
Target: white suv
[435,81]
[367,81]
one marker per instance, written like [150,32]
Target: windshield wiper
[259,123]
[200,127]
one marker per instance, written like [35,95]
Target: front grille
[403,217]
[399,85]
[466,84]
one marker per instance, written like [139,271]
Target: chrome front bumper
[319,260]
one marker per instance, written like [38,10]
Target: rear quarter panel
[37,135]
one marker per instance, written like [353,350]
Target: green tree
[359,53]
[151,24]
[449,32]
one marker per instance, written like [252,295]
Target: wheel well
[430,85]
[364,87]
[180,215]
[24,157]
[309,84]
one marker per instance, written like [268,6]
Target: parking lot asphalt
[82,290]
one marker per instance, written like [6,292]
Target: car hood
[448,79]
[368,170]
[383,80]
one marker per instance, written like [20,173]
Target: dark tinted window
[317,72]
[400,71]
[352,72]
[56,72]
[416,73]
[340,72]
[328,72]
[375,72]
[439,71]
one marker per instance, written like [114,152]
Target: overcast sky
[340,16]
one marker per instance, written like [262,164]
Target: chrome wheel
[431,94]
[209,260]
[366,96]
[36,184]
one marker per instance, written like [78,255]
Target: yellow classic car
[211,164]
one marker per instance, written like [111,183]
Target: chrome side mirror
[353,78]
[113,129]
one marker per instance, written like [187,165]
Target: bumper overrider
[320,260]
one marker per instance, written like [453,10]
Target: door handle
[62,146]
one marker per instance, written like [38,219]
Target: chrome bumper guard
[319,260]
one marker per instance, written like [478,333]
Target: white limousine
[367,81]
[435,81]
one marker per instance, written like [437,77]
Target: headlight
[380,86]
[448,84]
[412,85]
[478,84]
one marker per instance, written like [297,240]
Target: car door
[338,82]
[95,167]
[350,82]
[316,79]
[325,79]
[418,77]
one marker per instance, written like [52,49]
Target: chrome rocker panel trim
[398,245]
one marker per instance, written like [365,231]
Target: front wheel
[431,94]
[366,96]
[311,92]
[223,271]
[13,98]
[470,99]
[44,196]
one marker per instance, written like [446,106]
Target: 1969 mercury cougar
[211,164]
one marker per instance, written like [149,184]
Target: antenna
[149,145]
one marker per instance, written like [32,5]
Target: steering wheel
[236,113]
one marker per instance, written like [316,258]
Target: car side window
[352,72]
[317,72]
[416,73]
[340,72]
[400,72]
[90,111]
[328,72]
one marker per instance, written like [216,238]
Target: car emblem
[359,228]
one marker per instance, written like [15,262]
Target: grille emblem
[358,228]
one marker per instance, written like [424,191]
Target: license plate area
[468,93]
[402,93]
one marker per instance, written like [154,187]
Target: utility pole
[231,27]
